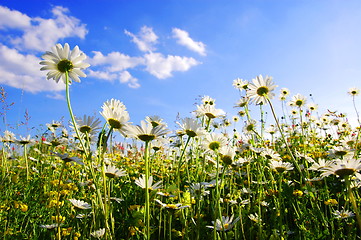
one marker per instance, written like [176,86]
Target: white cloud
[56,96]
[108,76]
[123,77]
[116,61]
[23,72]
[126,77]
[185,40]
[145,40]
[162,67]
[39,33]
[13,19]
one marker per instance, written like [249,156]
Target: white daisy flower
[61,60]
[80,204]
[261,89]
[141,183]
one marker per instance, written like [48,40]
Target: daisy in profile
[261,89]
[209,111]
[271,154]
[88,125]
[191,127]
[354,91]
[280,166]
[8,137]
[141,183]
[114,112]
[145,131]
[112,172]
[243,102]
[226,224]
[298,100]
[98,233]
[342,168]
[80,204]
[240,84]
[171,206]
[61,60]
[25,140]
[155,120]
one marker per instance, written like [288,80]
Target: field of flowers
[212,178]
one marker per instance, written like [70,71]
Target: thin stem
[71,113]
[147,211]
[285,141]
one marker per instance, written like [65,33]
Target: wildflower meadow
[294,176]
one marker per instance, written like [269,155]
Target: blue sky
[158,57]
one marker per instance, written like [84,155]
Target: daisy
[141,183]
[114,112]
[261,89]
[62,60]
[171,206]
[312,106]
[80,204]
[191,127]
[342,168]
[298,100]
[8,137]
[242,102]
[155,120]
[354,91]
[214,141]
[240,84]
[225,224]
[227,154]
[25,140]
[88,125]
[343,214]
[98,233]
[209,111]
[321,164]
[207,100]
[250,126]
[285,92]
[280,166]
[65,157]
[255,218]
[112,172]
[145,131]
[270,154]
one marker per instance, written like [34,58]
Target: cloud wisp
[184,40]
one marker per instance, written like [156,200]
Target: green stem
[147,210]
[71,113]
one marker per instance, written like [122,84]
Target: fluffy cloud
[145,40]
[13,19]
[115,61]
[184,39]
[122,77]
[162,67]
[45,33]
[23,71]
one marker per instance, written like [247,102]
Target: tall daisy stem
[71,113]
[285,141]
[147,209]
